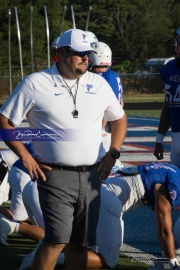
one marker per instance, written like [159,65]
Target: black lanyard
[75,113]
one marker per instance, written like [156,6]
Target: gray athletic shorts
[70,203]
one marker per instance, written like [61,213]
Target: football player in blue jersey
[100,64]
[170,114]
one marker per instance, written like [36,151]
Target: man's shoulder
[38,75]
[173,64]
[91,75]
[110,73]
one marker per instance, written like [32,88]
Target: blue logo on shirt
[89,87]
[56,94]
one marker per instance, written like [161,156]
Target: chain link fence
[140,83]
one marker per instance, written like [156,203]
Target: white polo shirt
[45,100]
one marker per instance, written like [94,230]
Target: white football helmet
[177,41]
[103,57]
[54,52]
[91,36]
[55,43]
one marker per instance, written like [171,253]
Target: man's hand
[158,151]
[105,166]
[33,168]
[177,266]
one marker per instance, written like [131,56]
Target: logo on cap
[84,36]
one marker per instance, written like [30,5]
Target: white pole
[87,22]
[9,49]
[47,34]
[73,17]
[19,40]
[31,38]
[62,23]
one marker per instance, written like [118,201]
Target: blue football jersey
[114,81]
[170,73]
[161,173]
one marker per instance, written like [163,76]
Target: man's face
[75,62]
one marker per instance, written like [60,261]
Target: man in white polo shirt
[64,106]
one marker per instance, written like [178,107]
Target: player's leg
[109,231]
[96,261]
[30,198]
[17,180]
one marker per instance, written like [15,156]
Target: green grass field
[143,98]
[150,98]
[11,256]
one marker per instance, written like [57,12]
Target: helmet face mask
[177,41]
[103,56]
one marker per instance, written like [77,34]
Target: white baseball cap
[76,39]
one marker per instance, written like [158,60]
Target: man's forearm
[118,132]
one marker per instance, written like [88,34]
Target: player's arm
[20,150]
[163,210]
[163,128]
[164,123]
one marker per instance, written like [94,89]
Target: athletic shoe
[7,226]
[178,254]
[28,260]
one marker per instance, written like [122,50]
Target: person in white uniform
[7,159]
[69,102]
[15,179]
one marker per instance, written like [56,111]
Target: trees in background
[136,30]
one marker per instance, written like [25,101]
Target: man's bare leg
[46,256]
[96,261]
[75,257]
